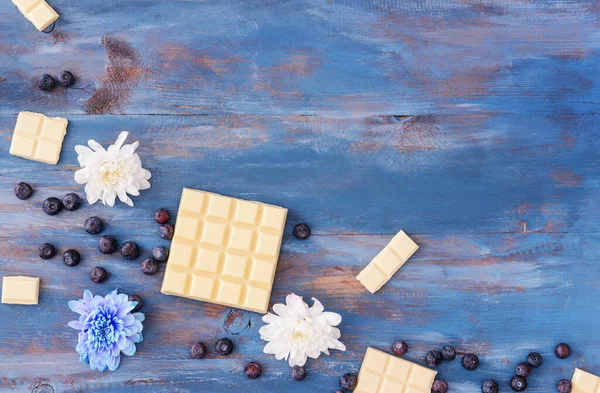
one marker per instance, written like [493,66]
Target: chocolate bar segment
[224,250]
[38,137]
[387,262]
[20,290]
[37,12]
[584,382]
[384,373]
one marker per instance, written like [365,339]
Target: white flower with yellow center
[298,332]
[111,173]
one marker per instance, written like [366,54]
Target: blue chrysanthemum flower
[107,328]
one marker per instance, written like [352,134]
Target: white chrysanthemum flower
[111,173]
[299,332]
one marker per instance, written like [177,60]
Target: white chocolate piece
[37,12]
[224,250]
[384,373]
[387,262]
[38,137]
[20,290]
[584,382]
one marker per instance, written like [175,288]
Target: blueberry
[224,346]
[400,347]
[518,384]
[302,231]
[470,361]
[439,386]
[564,386]
[198,350]
[138,299]
[298,373]
[339,391]
[107,244]
[348,381]
[46,82]
[162,216]
[71,201]
[433,358]
[252,370]
[93,225]
[166,231]
[489,387]
[448,353]
[149,266]
[52,206]
[160,253]
[71,258]
[98,274]
[562,351]
[46,251]
[523,370]
[534,359]
[130,250]
[23,191]
[66,79]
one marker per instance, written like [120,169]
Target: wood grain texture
[472,125]
[346,58]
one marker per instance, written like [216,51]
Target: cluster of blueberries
[46,82]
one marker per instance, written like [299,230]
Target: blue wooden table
[472,125]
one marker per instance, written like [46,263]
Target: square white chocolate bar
[584,382]
[38,137]
[20,290]
[387,262]
[37,12]
[224,250]
[384,373]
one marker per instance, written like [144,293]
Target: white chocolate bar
[38,137]
[20,290]
[387,262]
[37,12]
[584,382]
[224,250]
[384,373]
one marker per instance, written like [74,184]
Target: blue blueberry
[348,381]
[46,82]
[46,251]
[71,201]
[518,384]
[149,266]
[252,370]
[160,253]
[523,370]
[93,225]
[534,359]
[107,244]
[439,386]
[470,361]
[66,79]
[166,231]
[400,347]
[489,387]
[448,353]
[130,250]
[71,258]
[433,358]
[224,346]
[52,206]
[138,300]
[198,350]
[298,373]
[23,191]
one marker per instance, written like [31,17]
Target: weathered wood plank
[499,295]
[343,58]
[432,174]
